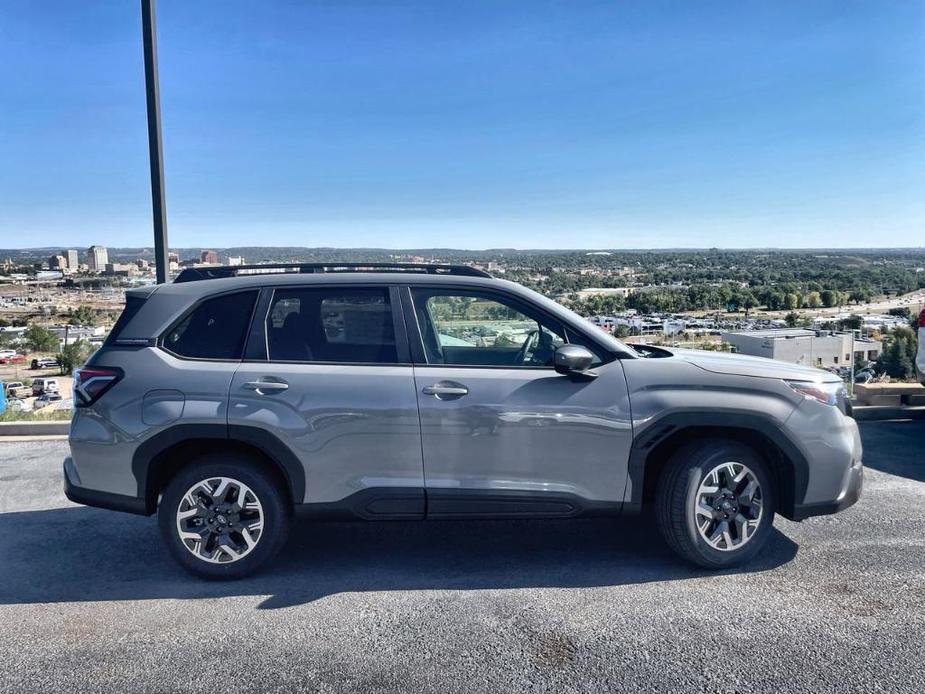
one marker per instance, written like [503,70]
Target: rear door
[327,373]
[502,432]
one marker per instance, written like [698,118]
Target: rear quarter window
[132,305]
[215,329]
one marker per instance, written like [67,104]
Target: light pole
[155,146]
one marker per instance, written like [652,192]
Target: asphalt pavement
[90,601]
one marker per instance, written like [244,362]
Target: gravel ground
[89,601]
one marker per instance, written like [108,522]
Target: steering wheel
[529,344]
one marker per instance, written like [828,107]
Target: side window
[332,324]
[482,331]
[216,329]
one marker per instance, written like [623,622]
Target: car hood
[741,365]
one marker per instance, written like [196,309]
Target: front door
[502,432]
[334,385]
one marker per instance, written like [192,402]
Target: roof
[778,333]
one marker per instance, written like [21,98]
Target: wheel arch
[160,457]
[654,446]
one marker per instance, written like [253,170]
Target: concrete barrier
[873,413]
[50,428]
[889,394]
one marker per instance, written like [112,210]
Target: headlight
[826,393]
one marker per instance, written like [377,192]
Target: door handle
[266,385]
[446,389]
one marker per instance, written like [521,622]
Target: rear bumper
[848,496]
[94,497]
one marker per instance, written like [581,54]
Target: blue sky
[470,125]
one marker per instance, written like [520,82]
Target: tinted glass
[332,324]
[216,329]
[132,305]
[480,331]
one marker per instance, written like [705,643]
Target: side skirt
[391,503]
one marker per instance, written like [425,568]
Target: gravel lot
[89,601]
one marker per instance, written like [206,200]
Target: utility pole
[155,146]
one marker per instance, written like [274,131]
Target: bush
[898,357]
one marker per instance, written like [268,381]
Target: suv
[40,386]
[234,396]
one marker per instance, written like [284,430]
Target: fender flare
[262,440]
[673,422]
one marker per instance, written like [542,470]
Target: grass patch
[54,416]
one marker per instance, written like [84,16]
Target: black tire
[676,498]
[276,511]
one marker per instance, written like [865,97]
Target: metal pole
[155,146]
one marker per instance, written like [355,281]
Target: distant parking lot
[90,601]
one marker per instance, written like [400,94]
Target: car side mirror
[573,360]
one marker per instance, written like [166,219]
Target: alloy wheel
[728,506]
[220,520]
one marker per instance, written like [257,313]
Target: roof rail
[211,272]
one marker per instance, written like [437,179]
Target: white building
[799,346]
[72,261]
[97,258]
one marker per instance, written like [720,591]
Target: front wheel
[223,516]
[715,503]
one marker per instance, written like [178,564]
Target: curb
[877,413]
[56,428]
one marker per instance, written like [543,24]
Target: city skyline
[362,125]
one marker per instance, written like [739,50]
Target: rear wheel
[223,516]
[715,503]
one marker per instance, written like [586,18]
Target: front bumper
[94,497]
[848,496]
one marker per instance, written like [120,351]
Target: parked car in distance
[44,363]
[18,389]
[237,395]
[13,358]
[46,399]
[7,353]
[920,355]
[42,385]
[18,405]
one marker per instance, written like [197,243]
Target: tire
[689,532]
[265,518]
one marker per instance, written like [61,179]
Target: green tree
[747,301]
[813,300]
[73,355]
[792,319]
[84,315]
[621,331]
[829,298]
[852,322]
[898,357]
[40,339]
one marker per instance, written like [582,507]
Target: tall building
[72,259]
[97,258]
[57,262]
[173,261]
[208,257]
[236,260]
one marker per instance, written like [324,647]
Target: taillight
[90,382]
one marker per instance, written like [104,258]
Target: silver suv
[235,396]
